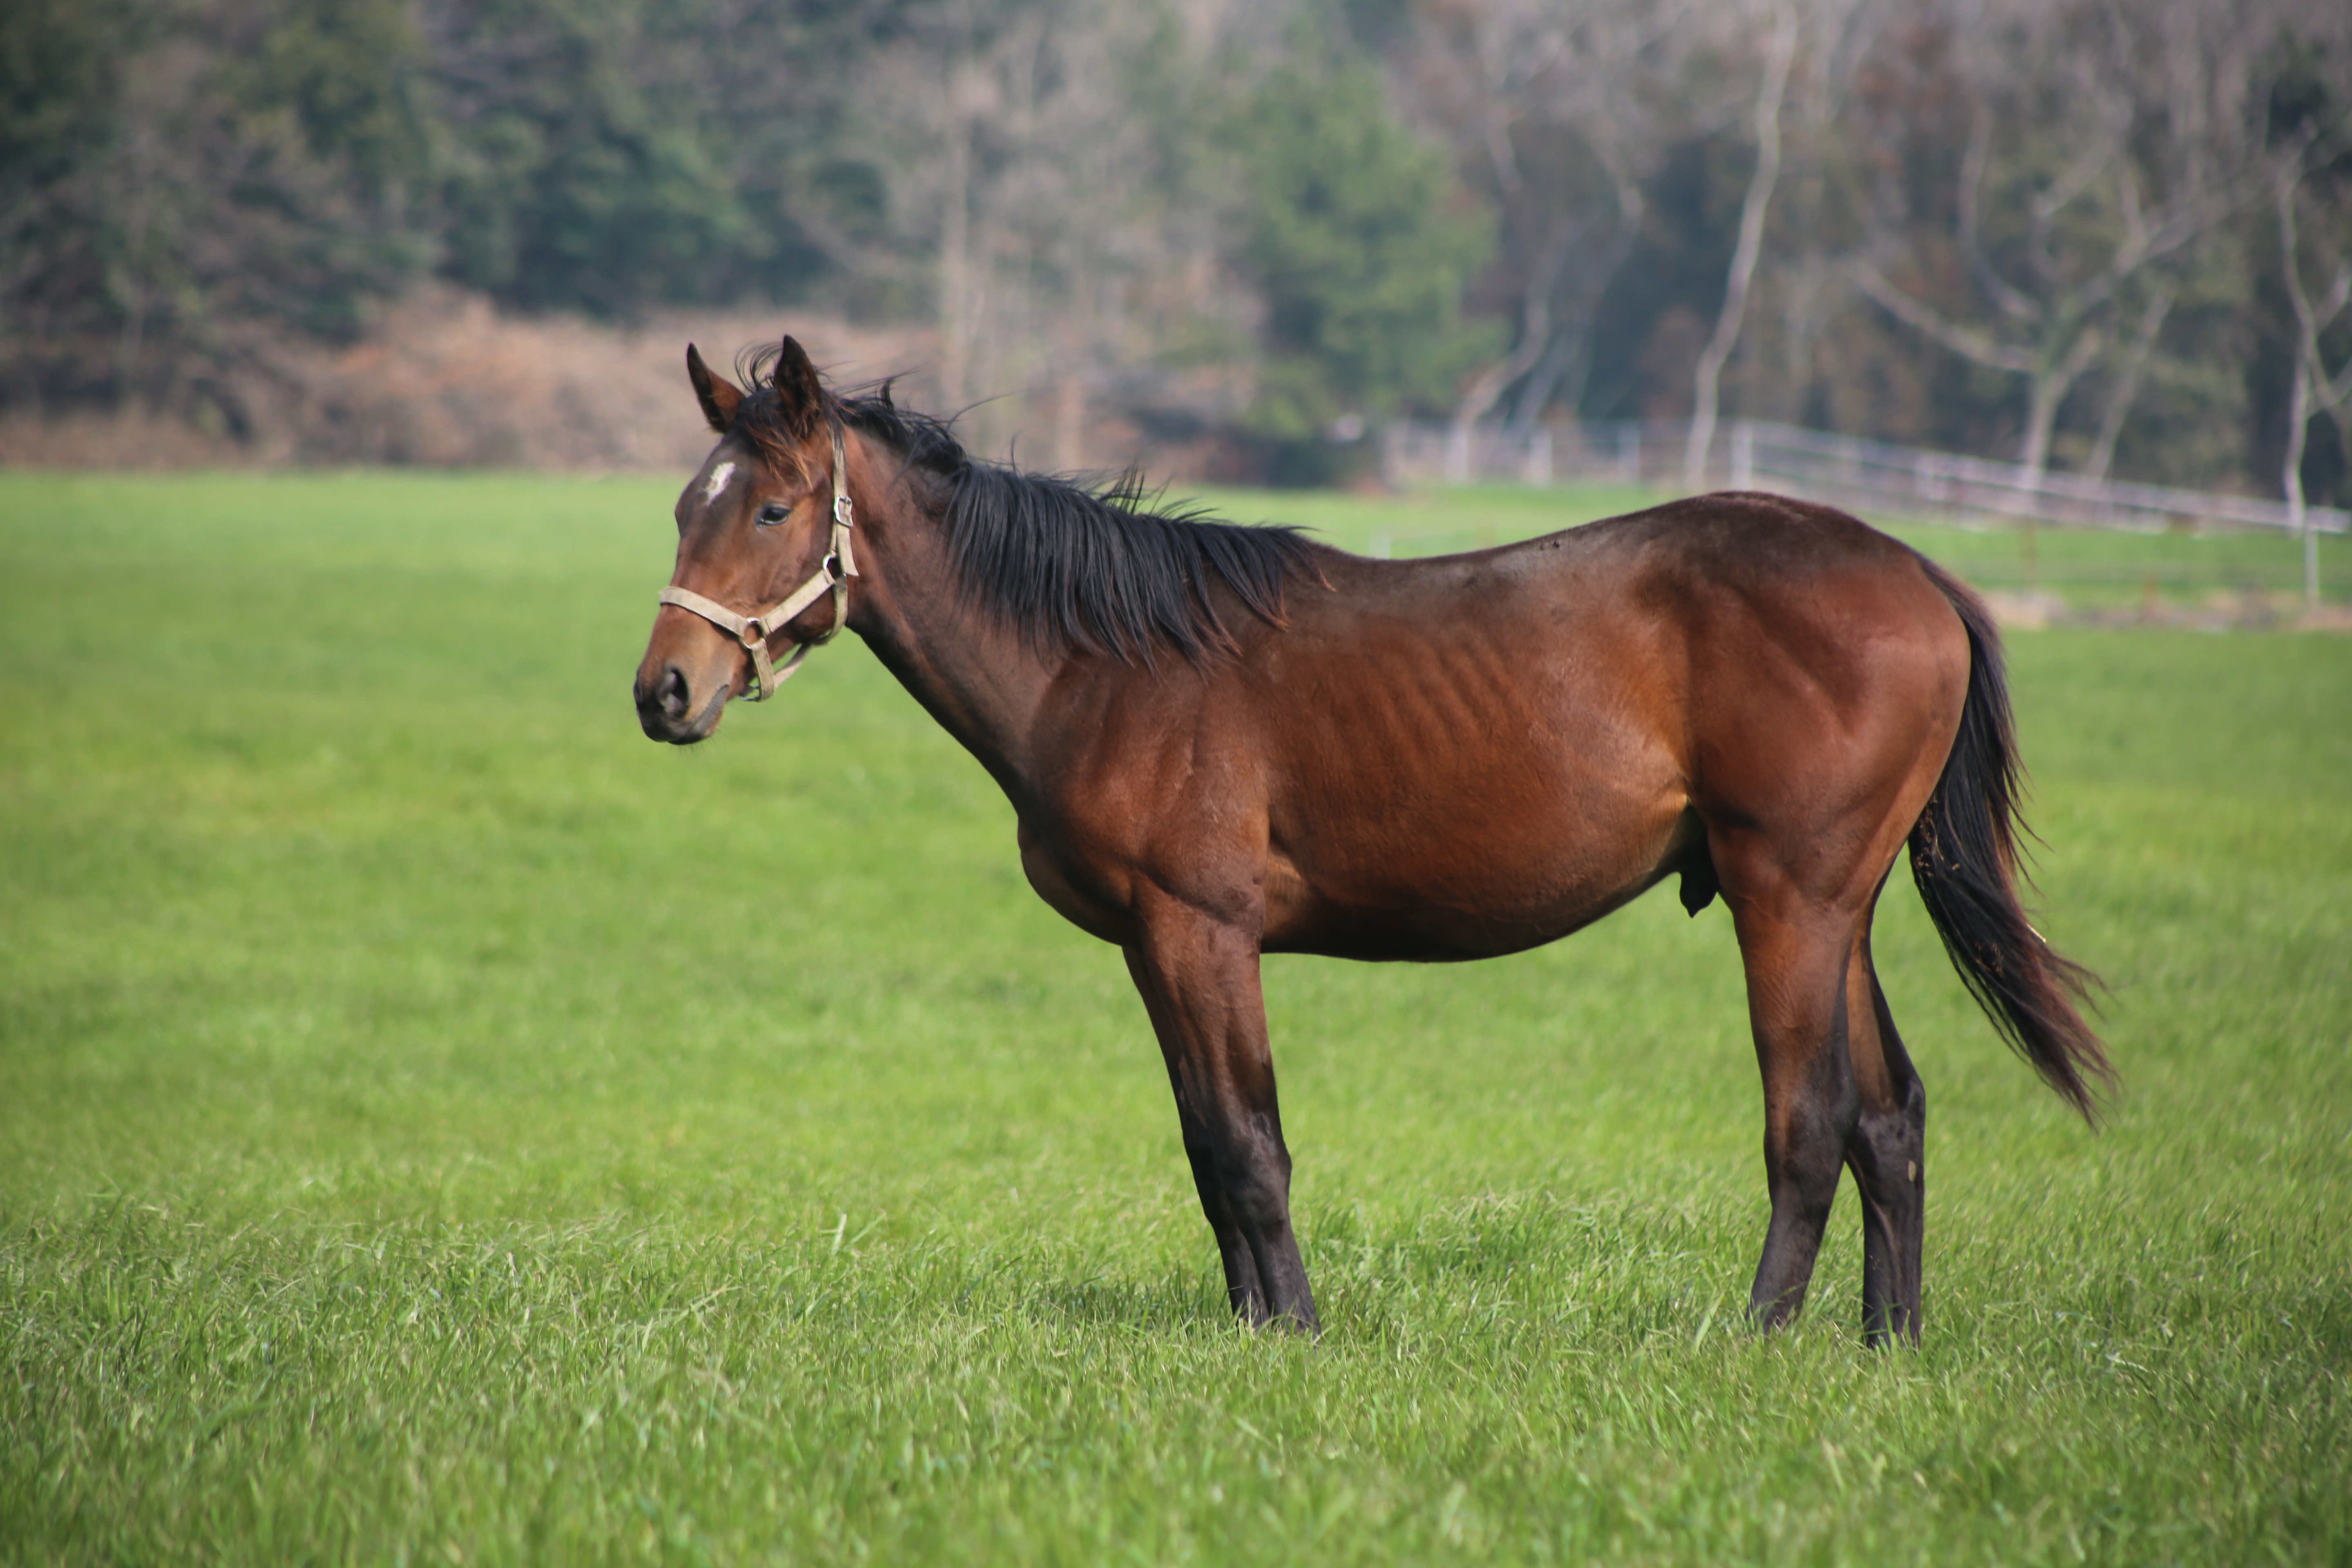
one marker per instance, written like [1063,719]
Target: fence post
[2310,562]
[1458,454]
[1743,456]
[1539,456]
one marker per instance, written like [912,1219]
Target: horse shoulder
[1146,779]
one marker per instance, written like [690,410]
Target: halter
[832,573]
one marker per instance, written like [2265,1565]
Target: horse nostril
[672,693]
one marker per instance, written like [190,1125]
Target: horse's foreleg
[1198,978]
[1887,1152]
[1795,954]
[1243,1289]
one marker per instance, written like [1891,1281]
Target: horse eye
[773,513]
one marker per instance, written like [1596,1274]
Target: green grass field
[438,1125]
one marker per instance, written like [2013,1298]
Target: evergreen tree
[1345,225]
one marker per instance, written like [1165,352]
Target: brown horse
[1223,741]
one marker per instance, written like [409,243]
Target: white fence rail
[1839,471]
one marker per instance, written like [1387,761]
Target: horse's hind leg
[1838,1091]
[1796,952]
[1887,1152]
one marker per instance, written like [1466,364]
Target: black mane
[1074,567]
[1078,567]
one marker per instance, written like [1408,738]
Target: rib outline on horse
[1223,741]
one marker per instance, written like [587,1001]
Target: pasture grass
[438,1125]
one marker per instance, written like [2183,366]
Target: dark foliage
[1345,230]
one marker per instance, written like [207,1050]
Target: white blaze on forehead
[718,477]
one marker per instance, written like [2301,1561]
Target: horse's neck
[968,671]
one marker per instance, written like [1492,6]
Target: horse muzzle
[670,708]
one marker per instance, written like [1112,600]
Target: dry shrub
[444,380]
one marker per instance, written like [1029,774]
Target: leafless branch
[1966,342]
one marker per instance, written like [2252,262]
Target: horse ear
[719,397]
[800,395]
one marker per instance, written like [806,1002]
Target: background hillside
[1223,238]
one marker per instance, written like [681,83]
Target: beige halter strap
[831,575]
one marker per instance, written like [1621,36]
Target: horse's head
[762,550]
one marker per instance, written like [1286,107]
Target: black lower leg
[1257,1194]
[1243,1290]
[1888,1156]
[1804,1184]
[1809,1118]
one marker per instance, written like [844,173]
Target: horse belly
[1458,885]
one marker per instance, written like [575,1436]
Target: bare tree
[2105,141]
[2126,387]
[1025,169]
[2314,390]
[1799,283]
[1558,114]
[1780,51]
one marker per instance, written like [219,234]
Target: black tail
[1964,858]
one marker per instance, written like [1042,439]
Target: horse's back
[1704,595]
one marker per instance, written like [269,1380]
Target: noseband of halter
[833,573]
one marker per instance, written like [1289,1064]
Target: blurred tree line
[2101,234]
